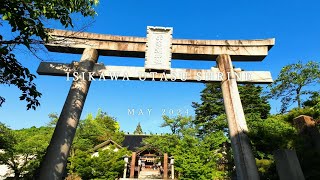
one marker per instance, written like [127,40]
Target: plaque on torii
[158,49]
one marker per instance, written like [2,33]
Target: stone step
[150,174]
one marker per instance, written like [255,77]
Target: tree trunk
[298,97]
[16,175]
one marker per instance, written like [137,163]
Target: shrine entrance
[150,159]
[158,49]
[151,164]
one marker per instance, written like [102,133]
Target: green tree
[165,143]
[7,139]
[195,158]
[177,124]
[26,19]
[254,100]
[210,113]
[25,149]
[270,134]
[108,165]
[314,103]
[293,81]
[94,130]
[138,129]
[53,119]
[91,132]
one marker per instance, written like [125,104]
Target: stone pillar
[288,165]
[165,166]
[55,160]
[244,160]
[133,164]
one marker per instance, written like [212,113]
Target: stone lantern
[126,162]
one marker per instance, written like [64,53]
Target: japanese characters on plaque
[158,49]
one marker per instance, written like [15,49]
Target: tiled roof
[133,141]
[109,141]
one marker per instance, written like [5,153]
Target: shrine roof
[133,141]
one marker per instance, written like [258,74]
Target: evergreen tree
[177,124]
[292,81]
[210,113]
[138,129]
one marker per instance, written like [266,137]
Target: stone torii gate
[158,49]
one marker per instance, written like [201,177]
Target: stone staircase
[150,174]
[147,174]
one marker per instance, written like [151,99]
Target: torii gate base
[55,160]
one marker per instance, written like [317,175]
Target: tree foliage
[108,165]
[26,19]
[314,103]
[293,81]
[95,130]
[7,139]
[24,149]
[270,134]
[138,129]
[210,113]
[177,124]
[266,133]
[53,119]
[195,158]
[91,132]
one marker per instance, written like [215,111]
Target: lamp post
[172,166]
[126,162]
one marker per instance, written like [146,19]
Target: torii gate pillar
[244,160]
[53,166]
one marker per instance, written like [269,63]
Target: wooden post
[244,160]
[165,166]
[55,160]
[133,164]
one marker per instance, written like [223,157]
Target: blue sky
[294,24]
